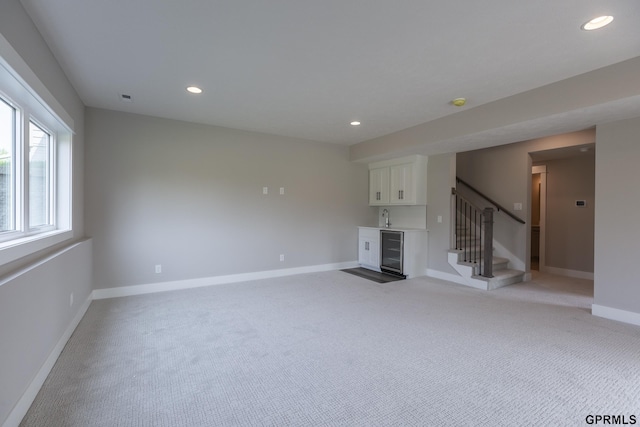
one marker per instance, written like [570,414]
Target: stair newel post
[487,215]
[481,264]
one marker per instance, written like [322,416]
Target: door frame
[542,170]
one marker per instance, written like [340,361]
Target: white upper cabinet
[402,185]
[379,186]
[401,181]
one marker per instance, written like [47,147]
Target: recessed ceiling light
[355,123]
[194,89]
[596,23]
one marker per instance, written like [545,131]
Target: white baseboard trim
[20,410]
[446,276]
[615,314]
[215,280]
[568,273]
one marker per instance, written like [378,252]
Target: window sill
[18,248]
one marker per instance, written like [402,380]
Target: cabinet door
[369,248]
[379,186]
[402,188]
[369,253]
[374,253]
[363,251]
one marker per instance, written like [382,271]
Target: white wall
[617,234]
[36,312]
[189,197]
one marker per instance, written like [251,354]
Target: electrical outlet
[158,268]
[281,190]
[439,218]
[265,190]
[71,299]
[517,206]
[281,257]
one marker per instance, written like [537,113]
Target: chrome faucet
[385,215]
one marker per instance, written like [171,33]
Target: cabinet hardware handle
[366,246]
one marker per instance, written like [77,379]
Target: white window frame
[22,89]
[52,179]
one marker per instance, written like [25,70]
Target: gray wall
[441,176]
[189,197]
[36,316]
[504,174]
[570,230]
[617,206]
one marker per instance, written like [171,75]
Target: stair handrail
[456,192]
[498,206]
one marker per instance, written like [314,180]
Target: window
[35,162]
[7,173]
[27,202]
[40,177]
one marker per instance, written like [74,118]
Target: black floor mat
[372,275]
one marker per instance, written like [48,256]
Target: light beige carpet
[333,349]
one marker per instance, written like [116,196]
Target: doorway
[563,194]
[538,216]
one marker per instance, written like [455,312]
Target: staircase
[472,256]
[502,274]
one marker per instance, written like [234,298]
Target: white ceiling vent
[126,98]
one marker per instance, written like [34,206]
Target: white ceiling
[306,69]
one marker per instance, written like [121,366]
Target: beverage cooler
[391,247]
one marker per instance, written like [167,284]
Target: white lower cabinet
[369,248]
[415,253]
[414,258]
